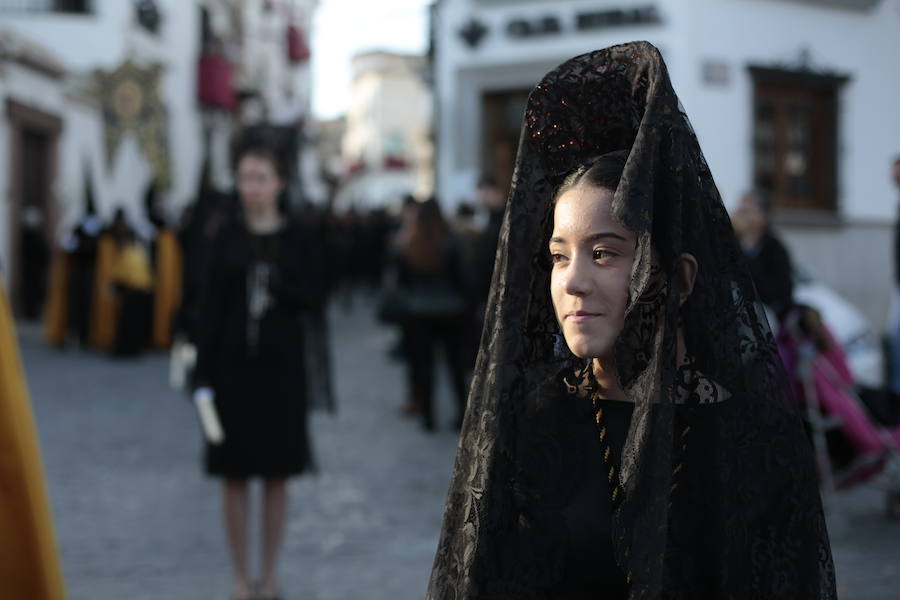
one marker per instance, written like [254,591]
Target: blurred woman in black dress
[263,275]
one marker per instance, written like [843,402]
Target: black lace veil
[720,495]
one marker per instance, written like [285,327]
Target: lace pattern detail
[719,494]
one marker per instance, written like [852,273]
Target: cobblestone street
[136,518]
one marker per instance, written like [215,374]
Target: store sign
[584,21]
[524,28]
[601,19]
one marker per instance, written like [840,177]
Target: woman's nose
[578,280]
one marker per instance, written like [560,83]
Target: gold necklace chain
[612,476]
[618,490]
[611,472]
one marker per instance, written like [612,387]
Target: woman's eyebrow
[594,237]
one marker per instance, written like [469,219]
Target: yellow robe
[56,309]
[29,563]
[104,305]
[167,297]
[131,268]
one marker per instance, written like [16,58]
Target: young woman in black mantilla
[630,431]
[264,274]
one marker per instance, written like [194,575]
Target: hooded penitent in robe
[56,309]
[167,292]
[104,309]
[29,564]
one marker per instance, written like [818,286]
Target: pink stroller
[850,446]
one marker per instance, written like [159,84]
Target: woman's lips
[581,316]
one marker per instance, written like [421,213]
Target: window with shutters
[795,133]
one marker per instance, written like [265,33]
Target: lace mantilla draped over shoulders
[720,493]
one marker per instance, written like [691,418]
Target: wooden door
[33,213]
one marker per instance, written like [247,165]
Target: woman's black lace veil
[721,499]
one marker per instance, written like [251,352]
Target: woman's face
[258,183]
[749,216]
[592,255]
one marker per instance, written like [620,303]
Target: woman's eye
[603,254]
[556,257]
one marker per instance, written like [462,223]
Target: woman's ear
[687,274]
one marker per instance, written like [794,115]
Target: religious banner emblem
[131,101]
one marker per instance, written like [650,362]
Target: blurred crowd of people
[854,428]
[116,288]
[435,288]
[244,282]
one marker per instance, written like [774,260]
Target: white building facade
[386,147]
[794,96]
[106,95]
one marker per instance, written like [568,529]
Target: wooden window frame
[822,90]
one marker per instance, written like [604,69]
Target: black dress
[251,350]
[570,516]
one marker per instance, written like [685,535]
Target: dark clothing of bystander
[251,349]
[436,315]
[770,267]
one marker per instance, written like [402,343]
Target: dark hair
[263,152]
[604,171]
[897,160]
[430,214]
[486,180]
[464,209]
[762,198]
[424,248]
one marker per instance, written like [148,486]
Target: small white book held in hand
[209,418]
[182,360]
